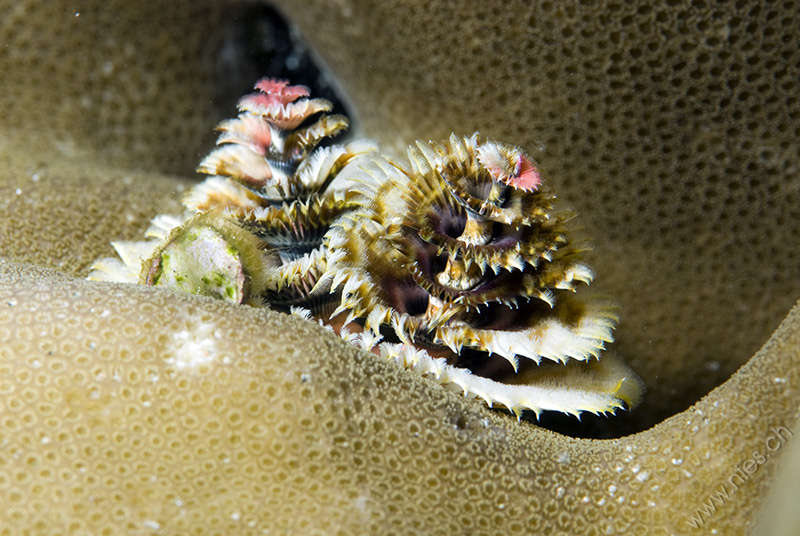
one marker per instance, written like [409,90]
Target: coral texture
[672,130]
[127,408]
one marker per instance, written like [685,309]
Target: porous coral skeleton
[455,265]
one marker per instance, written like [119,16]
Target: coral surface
[671,129]
[136,409]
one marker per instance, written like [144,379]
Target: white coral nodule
[456,265]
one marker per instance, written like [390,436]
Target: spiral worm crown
[456,264]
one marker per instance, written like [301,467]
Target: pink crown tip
[526,175]
[280,90]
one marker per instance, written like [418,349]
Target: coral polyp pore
[456,264]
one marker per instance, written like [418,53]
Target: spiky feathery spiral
[456,265]
[461,253]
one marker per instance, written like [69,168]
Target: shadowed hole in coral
[260,42]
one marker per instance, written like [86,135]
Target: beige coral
[671,131]
[139,409]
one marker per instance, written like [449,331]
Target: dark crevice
[259,42]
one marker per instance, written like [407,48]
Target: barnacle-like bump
[212,256]
[457,264]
